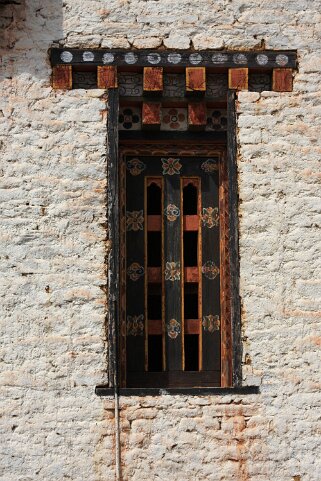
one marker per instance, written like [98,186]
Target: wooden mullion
[172,260]
[210,272]
[135,291]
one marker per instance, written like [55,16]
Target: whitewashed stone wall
[53,247]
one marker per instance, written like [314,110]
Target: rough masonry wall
[53,248]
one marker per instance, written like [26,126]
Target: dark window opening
[155,353]
[154,249]
[190,248]
[154,200]
[190,200]
[191,352]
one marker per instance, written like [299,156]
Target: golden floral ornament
[209,166]
[135,271]
[134,220]
[172,271]
[135,325]
[210,217]
[172,212]
[171,166]
[135,166]
[210,270]
[211,323]
[173,329]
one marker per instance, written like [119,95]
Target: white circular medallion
[195,58]
[66,56]
[219,58]
[88,56]
[174,58]
[131,58]
[154,58]
[240,59]
[282,60]
[108,58]
[262,59]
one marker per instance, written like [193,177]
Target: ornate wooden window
[174,267]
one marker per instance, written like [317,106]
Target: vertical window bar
[172,260]
[211,342]
[135,234]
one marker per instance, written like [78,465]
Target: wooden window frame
[231,372]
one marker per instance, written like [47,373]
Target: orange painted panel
[62,77]
[238,78]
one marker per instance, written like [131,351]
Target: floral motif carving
[135,325]
[216,120]
[134,220]
[135,271]
[210,217]
[174,119]
[211,323]
[210,270]
[209,166]
[171,166]
[172,271]
[172,212]
[173,329]
[135,166]
[129,119]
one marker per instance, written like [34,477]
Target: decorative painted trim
[172,271]
[135,271]
[135,166]
[210,270]
[266,59]
[209,166]
[172,212]
[171,166]
[211,323]
[134,220]
[210,217]
[135,325]
[173,329]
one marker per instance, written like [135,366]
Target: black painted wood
[233,240]
[172,261]
[113,235]
[262,59]
[135,296]
[211,335]
[174,378]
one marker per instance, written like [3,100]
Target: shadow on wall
[27,30]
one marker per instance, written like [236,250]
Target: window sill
[196,391]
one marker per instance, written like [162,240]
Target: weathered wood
[225,279]
[262,59]
[195,80]
[106,77]
[62,77]
[211,332]
[173,272]
[197,115]
[151,114]
[238,78]
[153,80]
[282,80]
[176,378]
[233,240]
[113,235]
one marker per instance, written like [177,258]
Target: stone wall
[53,248]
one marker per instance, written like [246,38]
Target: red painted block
[282,80]
[197,114]
[153,79]
[62,77]
[195,79]
[238,78]
[107,77]
[151,114]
